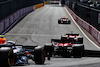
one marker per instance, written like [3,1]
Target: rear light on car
[28,53]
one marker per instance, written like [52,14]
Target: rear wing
[60,41]
[73,34]
[70,40]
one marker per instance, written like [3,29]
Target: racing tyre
[39,55]
[77,51]
[6,57]
[59,21]
[69,22]
[82,50]
[48,50]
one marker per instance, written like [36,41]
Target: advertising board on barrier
[99,37]
[15,16]
[74,17]
[21,12]
[94,33]
[6,23]
[11,19]
[80,22]
[86,26]
[24,11]
[33,7]
[1,26]
[29,9]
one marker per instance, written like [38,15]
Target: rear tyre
[59,21]
[69,22]
[39,55]
[48,50]
[6,57]
[77,51]
[83,54]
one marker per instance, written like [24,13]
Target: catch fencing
[93,31]
[17,9]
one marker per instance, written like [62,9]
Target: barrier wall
[87,13]
[7,7]
[93,31]
[39,5]
[13,18]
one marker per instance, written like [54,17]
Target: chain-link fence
[87,13]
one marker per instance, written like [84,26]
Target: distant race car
[73,38]
[64,21]
[11,54]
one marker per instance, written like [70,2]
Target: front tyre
[39,55]
[77,51]
[6,57]
[69,22]
[59,21]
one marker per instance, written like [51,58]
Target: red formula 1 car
[70,46]
[67,49]
[73,38]
[64,21]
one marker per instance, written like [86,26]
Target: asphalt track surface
[40,26]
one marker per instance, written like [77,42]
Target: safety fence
[93,31]
[7,23]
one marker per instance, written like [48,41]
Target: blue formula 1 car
[11,54]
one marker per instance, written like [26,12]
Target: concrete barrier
[6,23]
[1,26]
[39,5]
[99,37]
[89,28]
[11,20]
[94,32]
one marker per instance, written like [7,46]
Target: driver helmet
[1,40]
[64,18]
[4,40]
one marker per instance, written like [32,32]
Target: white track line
[81,30]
